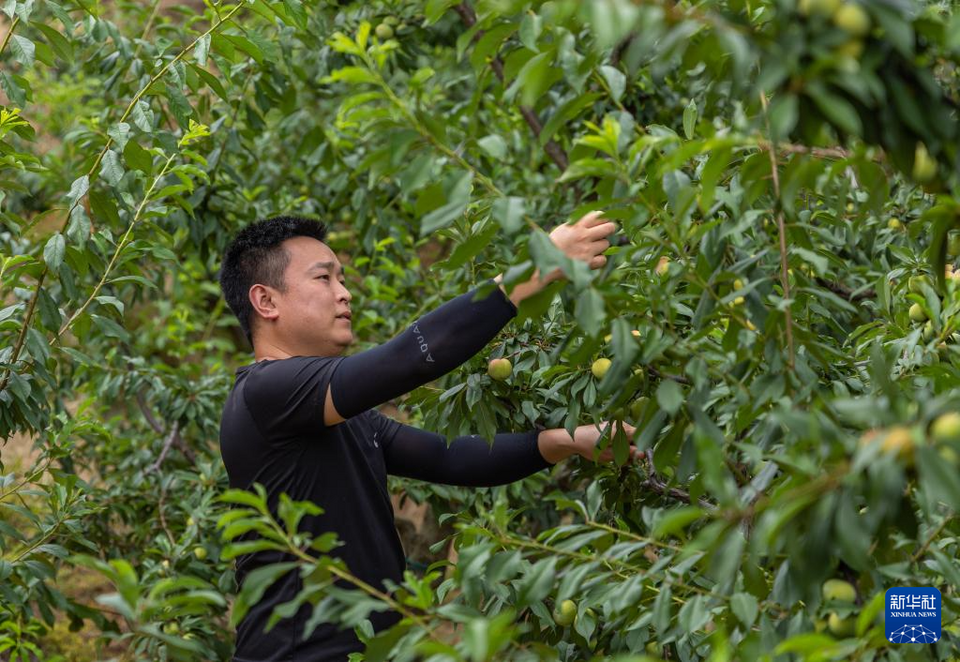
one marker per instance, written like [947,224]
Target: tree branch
[155,424]
[784,277]
[662,375]
[845,292]
[174,433]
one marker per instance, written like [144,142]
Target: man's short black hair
[256,256]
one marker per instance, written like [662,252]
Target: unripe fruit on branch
[600,367]
[853,19]
[837,589]
[946,428]
[171,628]
[638,407]
[916,283]
[824,8]
[924,165]
[663,265]
[384,31]
[899,441]
[894,224]
[841,627]
[917,313]
[200,553]
[852,49]
[953,245]
[566,613]
[500,369]
[738,284]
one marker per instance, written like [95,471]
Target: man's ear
[262,300]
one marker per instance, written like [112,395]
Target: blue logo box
[912,615]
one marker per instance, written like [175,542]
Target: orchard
[779,316]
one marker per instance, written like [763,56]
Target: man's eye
[323,276]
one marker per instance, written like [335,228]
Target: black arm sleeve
[467,462]
[433,346]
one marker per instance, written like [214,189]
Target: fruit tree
[779,316]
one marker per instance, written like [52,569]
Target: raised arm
[450,335]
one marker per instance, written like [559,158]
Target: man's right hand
[584,240]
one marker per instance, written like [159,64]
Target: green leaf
[23,50]
[590,312]
[670,396]
[111,168]
[78,188]
[138,158]
[564,114]
[836,109]
[456,204]
[60,44]
[142,116]
[676,521]
[16,88]
[120,134]
[201,50]
[616,81]
[434,9]
[689,119]
[509,212]
[471,247]
[745,608]
[353,75]
[254,586]
[494,145]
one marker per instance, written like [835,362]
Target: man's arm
[450,335]
[584,240]
[470,462]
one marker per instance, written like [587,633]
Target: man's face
[308,322]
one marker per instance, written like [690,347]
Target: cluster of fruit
[848,16]
[881,42]
[919,284]
[843,595]
[900,440]
[385,30]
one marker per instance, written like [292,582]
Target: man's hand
[556,444]
[584,240]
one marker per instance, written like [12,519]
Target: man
[302,420]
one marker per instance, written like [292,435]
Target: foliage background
[745,141]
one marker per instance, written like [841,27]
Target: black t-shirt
[272,433]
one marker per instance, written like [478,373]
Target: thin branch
[784,277]
[933,536]
[680,379]
[845,292]
[154,423]
[22,337]
[178,441]
[6,39]
[818,152]
[553,150]
[166,448]
[619,49]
